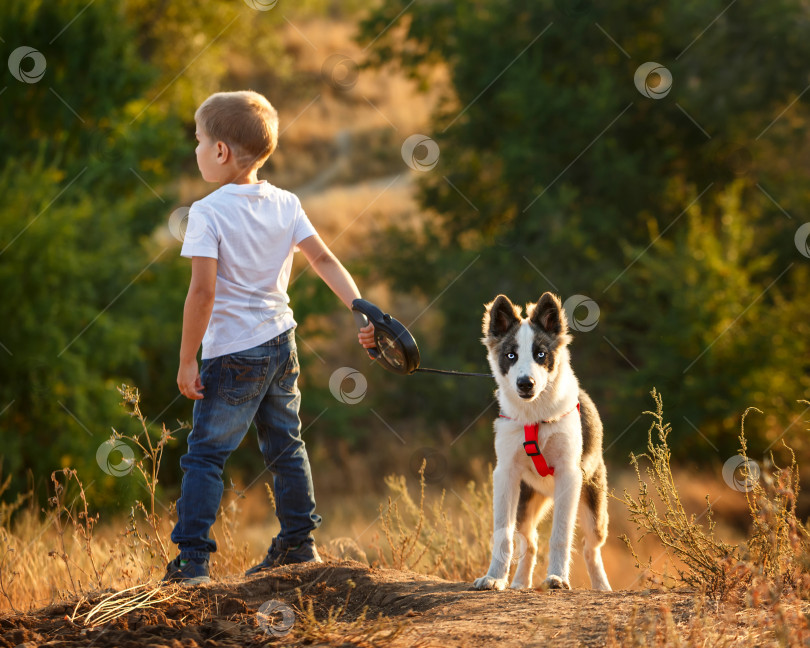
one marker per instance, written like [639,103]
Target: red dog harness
[530,432]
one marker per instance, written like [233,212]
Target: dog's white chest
[560,443]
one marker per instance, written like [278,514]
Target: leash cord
[455,373]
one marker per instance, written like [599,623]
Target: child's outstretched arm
[326,264]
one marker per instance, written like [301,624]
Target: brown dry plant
[424,537]
[777,553]
[148,466]
[705,558]
[335,629]
[779,545]
[82,523]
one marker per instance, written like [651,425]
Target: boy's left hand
[189,381]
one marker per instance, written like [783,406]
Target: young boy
[241,240]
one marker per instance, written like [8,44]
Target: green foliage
[579,185]
[91,282]
[79,209]
[556,173]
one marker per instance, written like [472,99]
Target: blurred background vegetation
[676,217]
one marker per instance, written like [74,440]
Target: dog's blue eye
[541,354]
[511,355]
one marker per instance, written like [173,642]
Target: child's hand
[366,336]
[188,380]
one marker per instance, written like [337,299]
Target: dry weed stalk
[777,553]
[149,467]
[779,545]
[5,585]
[427,539]
[119,604]
[80,521]
[467,543]
[7,562]
[707,560]
[658,628]
[233,556]
[72,518]
[406,544]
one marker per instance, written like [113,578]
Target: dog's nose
[525,384]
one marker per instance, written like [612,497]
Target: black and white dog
[548,443]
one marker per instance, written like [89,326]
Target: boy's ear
[499,317]
[549,315]
[223,153]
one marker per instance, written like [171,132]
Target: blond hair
[244,120]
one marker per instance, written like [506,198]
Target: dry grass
[706,559]
[779,545]
[65,554]
[60,552]
[335,628]
[431,540]
[145,522]
[47,557]
[777,551]
[119,604]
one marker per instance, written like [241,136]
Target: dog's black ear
[500,316]
[549,315]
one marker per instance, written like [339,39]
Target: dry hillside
[345,603]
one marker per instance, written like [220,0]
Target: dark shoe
[278,555]
[187,572]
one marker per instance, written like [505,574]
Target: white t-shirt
[252,231]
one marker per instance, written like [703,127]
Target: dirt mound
[343,604]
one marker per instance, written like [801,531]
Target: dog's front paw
[554,582]
[489,583]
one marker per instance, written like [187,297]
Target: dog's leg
[506,488]
[567,488]
[594,517]
[532,506]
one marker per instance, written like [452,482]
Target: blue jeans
[259,385]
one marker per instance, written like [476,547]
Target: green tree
[92,284]
[79,208]
[557,173]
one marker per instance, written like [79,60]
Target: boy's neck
[251,177]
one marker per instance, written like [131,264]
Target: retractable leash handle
[362,322]
[396,348]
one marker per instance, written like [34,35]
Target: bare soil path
[429,612]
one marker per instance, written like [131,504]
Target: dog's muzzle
[525,386]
